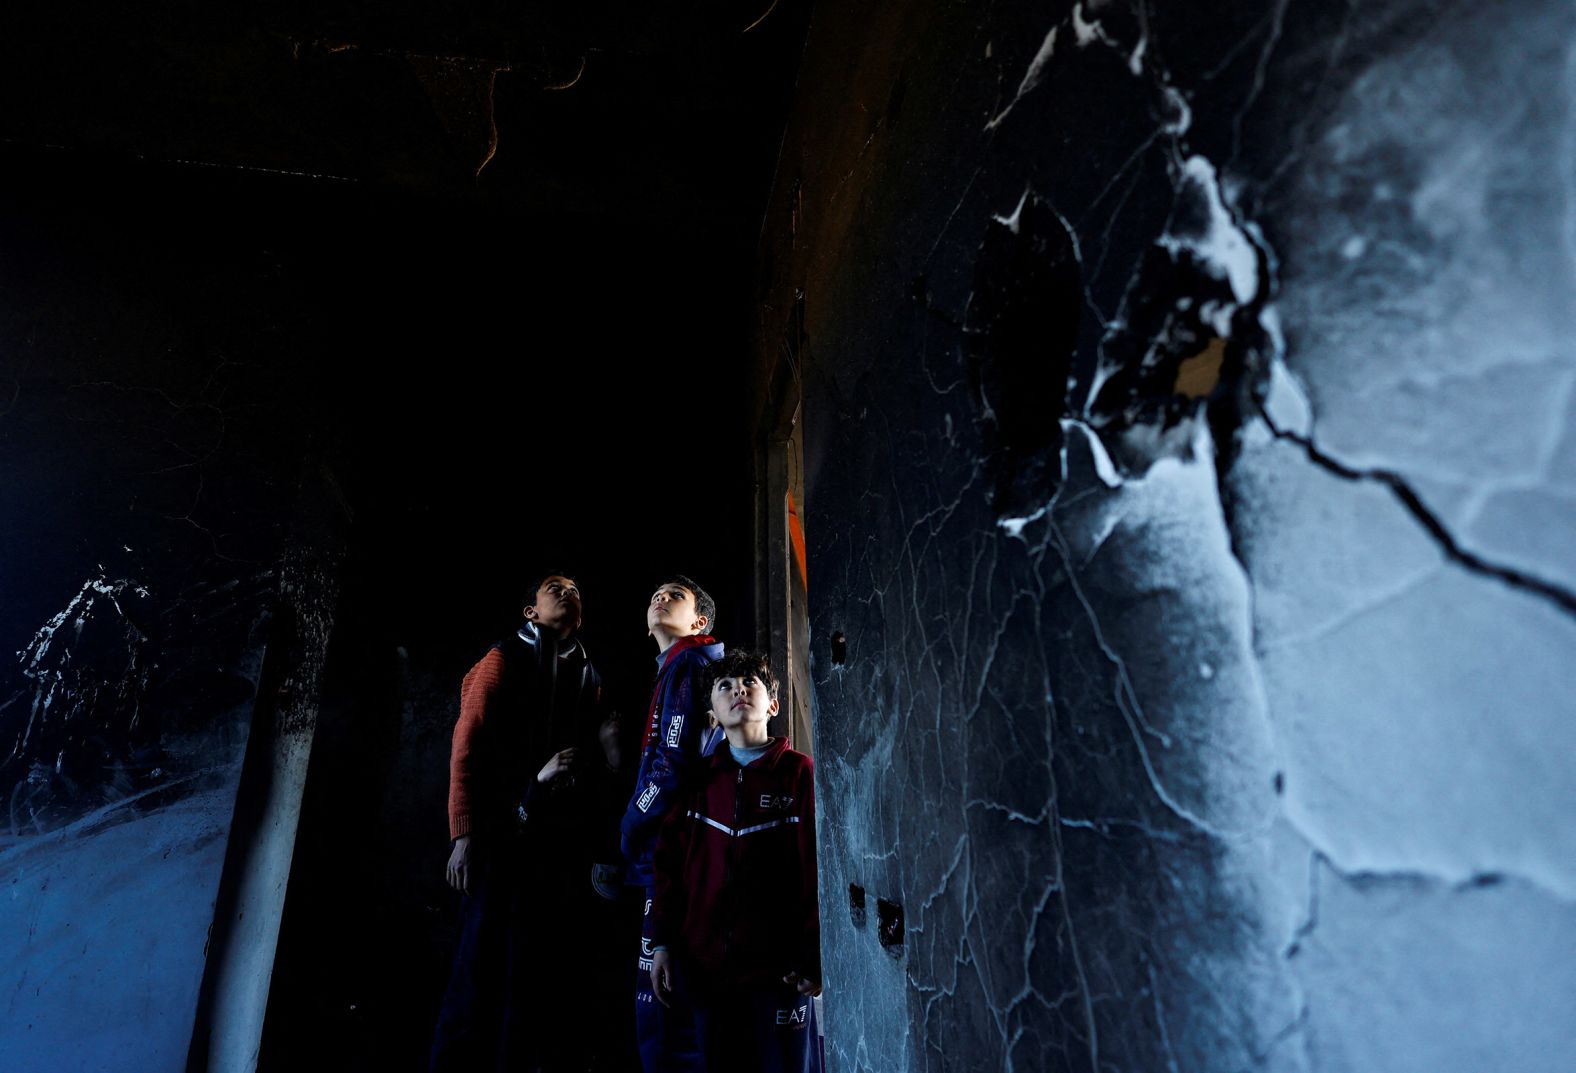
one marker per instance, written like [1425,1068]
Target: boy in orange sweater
[530,763]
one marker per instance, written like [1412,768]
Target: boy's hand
[459,871]
[558,765]
[607,734]
[662,976]
[803,984]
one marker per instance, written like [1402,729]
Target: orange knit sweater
[477,692]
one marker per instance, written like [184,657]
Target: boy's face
[672,610]
[557,605]
[736,701]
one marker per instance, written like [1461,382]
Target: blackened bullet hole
[1020,332]
[856,904]
[1280,782]
[839,649]
[889,926]
[1293,950]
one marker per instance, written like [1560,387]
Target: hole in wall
[1020,333]
[856,904]
[889,926]
[839,649]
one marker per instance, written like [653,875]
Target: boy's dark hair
[704,604]
[738,665]
[536,586]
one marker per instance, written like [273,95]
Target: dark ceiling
[671,112]
[460,239]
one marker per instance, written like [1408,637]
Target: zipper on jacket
[727,874]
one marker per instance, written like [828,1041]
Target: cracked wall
[1198,720]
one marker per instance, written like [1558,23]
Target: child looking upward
[679,617]
[734,917]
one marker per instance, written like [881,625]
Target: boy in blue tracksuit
[676,737]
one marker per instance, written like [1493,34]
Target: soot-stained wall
[1189,403]
[152,461]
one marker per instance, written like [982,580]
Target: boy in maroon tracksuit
[735,920]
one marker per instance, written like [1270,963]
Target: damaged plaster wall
[1189,402]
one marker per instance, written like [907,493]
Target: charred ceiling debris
[416,98]
[462,89]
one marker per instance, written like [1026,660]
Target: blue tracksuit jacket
[677,741]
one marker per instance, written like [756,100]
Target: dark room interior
[1142,438]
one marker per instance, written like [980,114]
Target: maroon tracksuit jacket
[735,872]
